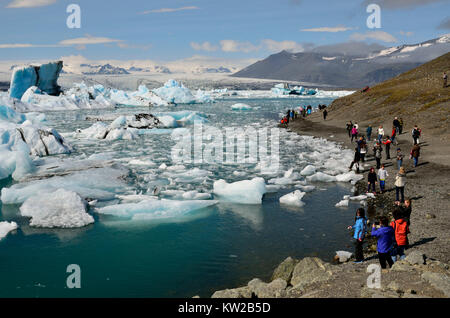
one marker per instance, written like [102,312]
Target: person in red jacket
[401,230]
[387,144]
[394,135]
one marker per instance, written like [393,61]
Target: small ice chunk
[293,198]
[321,177]
[6,227]
[343,256]
[241,106]
[308,170]
[342,203]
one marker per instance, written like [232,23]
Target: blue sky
[177,29]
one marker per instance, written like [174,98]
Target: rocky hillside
[417,96]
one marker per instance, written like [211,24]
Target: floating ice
[308,170]
[62,209]
[343,256]
[156,209]
[245,191]
[321,177]
[342,203]
[175,93]
[6,227]
[241,106]
[293,198]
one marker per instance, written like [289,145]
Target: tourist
[400,181]
[354,133]
[387,143]
[292,114]
[382,174]
[406,211]
[349,128]
[444,78]
[363,151]
[380,133]
[415,134]
[415,154]
[359,233]
[377,150]
[369,132]
[396,125]
[401,231]
[371,181]
[288,114]
[325,113]
[394,135]
[385,239]
[399,158]
[355,161]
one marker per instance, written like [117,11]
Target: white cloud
[328,29]
[29,3]
[205,46]
[165,10]
[89,40]
[14,45]
[236,46]
[275,46]
[375,35]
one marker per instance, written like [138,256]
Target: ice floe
[293,198]
[6,227]
[245,191]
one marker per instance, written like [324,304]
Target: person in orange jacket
[401,230]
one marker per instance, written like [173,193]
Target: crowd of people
[293,114]
[392,237]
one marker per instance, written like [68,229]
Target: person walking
[387,143]
[349,128]
[415,154]
[394,135]
[382,175]
[363,151]
[377,150]
[354,133]
[359,233]
[369,132]
[399,158]
[400,181]
[371,181]
[355,161]
[325,113]
[400,120]
[380,133]
[444,79]
[415,134]
[385,240]
[396,124]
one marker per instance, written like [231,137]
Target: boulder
[439,281]
[285,269]
[310,270]
[415,258]
[401,266]
[241,292]
[273,289]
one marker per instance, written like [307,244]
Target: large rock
[310,270]
[415,258]
[285,269]
[241,292]
[273,289]
[439,281]
[402,266]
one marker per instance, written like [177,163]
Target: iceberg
[245,191]
[174,92]
[6,227]
[293,198]
[342,203]
[59,209]
[43,76]
[156,210]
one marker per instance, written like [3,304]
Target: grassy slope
[417,96]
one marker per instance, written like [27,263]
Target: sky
[233,29]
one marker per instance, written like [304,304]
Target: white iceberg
[342,203]
[60,209]
[245,191]
[293,198]
[241,106]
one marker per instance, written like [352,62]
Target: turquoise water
[223,246]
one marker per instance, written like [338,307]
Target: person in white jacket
[400,181]
[380,133]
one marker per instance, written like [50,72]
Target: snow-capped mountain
[344,70]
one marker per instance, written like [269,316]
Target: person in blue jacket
[385,236]
[359,229]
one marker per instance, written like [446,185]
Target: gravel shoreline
[425,272]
